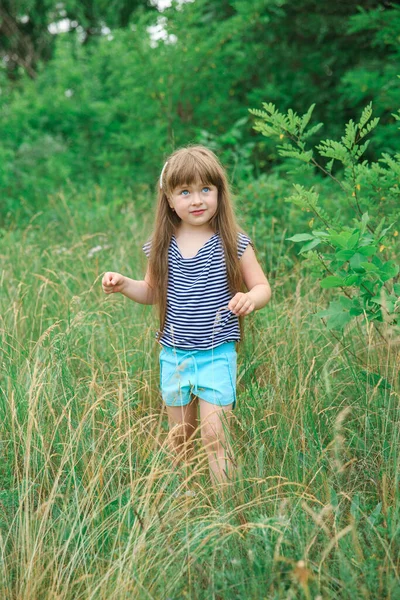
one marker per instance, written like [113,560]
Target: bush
[356,258]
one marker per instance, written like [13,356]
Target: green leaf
[304,156]
[349,139]
[339,240]
[301,237]
[384,231]
[355,263]
[379,228]
[353,240]
[306,118]
[329,165]
[396,288]
[389,270]
[339,320]
[377,261]
[356,308]
[333,149]
[350,280]
[365,115]
[312,130]
[346,302]
[364,221]
[337,315]
[331,282]
[367,250]
[310,245]
[362,149]
[321,234]
[344,254]
[369,267]
[355,311]
[386,301]
[368,288]
[369,127]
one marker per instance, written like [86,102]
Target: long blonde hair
[186,166]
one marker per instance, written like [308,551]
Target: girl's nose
[196,198]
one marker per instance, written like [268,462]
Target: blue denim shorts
[208,374]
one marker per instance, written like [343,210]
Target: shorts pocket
[167,367]
[231,360]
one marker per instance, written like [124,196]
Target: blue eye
[205,190]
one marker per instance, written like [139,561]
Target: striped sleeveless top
[198,294]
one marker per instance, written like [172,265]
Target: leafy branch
[353,260]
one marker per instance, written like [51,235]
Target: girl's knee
[182,431]
[212,439]
[180,438]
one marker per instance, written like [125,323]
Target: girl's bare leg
[215,428]
[183,423]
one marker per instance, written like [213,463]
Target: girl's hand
[112,282]
[241,304]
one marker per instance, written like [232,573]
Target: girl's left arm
[259,293]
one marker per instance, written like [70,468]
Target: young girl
[199,261]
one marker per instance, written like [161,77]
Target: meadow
[90,505]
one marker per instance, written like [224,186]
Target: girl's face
[195,204]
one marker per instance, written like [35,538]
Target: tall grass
[87,504]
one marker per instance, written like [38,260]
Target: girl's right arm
[139,291]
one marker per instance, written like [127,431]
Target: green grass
[86,497]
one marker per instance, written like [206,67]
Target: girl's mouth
[197,212]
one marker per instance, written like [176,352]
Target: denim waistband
[224,347]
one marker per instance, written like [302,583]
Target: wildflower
[301,573]
[381,247]
[96,249]
[188,493]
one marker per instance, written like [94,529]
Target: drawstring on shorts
[195,390]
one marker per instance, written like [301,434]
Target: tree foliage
[25,27]
[107,112]
[351,255]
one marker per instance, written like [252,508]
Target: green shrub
[357,254]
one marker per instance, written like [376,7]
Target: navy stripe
[197,293]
